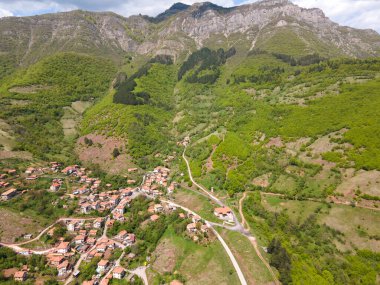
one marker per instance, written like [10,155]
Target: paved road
[140,272]
[17,246]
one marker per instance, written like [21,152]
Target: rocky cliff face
[183,28]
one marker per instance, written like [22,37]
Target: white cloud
[5,13]
[355,13]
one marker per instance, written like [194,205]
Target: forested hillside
[279,121]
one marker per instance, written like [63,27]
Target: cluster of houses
[197,227]
[89,184]
[114,201]
[5,183]
[30,174]
[156,180]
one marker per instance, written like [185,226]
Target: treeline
[303,61]
[291,60]
[266,74]
[208,61]
[125,86]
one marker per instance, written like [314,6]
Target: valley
[205,145]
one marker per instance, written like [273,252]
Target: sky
[354,13]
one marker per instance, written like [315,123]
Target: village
[91,236]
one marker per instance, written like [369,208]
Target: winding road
[243,228]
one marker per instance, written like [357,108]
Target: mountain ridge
[182,29]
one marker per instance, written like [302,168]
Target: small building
[63,268]
[63,247]
[196,219]
[154,217]
[204,228]
[86,208]
[102,265]
[71,227]
[192,228]
[20,276]
[224,213]
[80,239]
[118,272]
[9,194]
[158,208]
[98,223]
[55,186]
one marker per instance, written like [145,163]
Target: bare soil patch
[31,89]
[100,152]
[357,225]
[276,142]
[16,154]
[13,225]
[81,106]
[367,182]
[166,255]
[262,181]
[209,162]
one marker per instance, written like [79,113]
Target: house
[196,219]
[118,272]
[131,181]
[63,268]
[86,208]
[9,194]
[192,228]
[182,215]
[119,209]
[71,227]
[204,228]
[224,213]
[55,186]
[132,169]
[126,192]
[31,177]
[63,247]
[131,239]
[158,208]
[154,217]
[80,239]
[91,241]
[91,282]
[101,248]
[11,171]
[122,235]
[102,265]
[98,223]
[55,260]
[20,276]
[30,170]
[92,233]
[119,217]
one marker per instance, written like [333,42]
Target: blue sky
[355,13]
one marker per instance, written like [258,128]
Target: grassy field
[196,202]
[253,269]
[197,263]
[359,226]
[14,225]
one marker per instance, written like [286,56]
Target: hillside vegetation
[35,97]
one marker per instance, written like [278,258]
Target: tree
[115,152]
